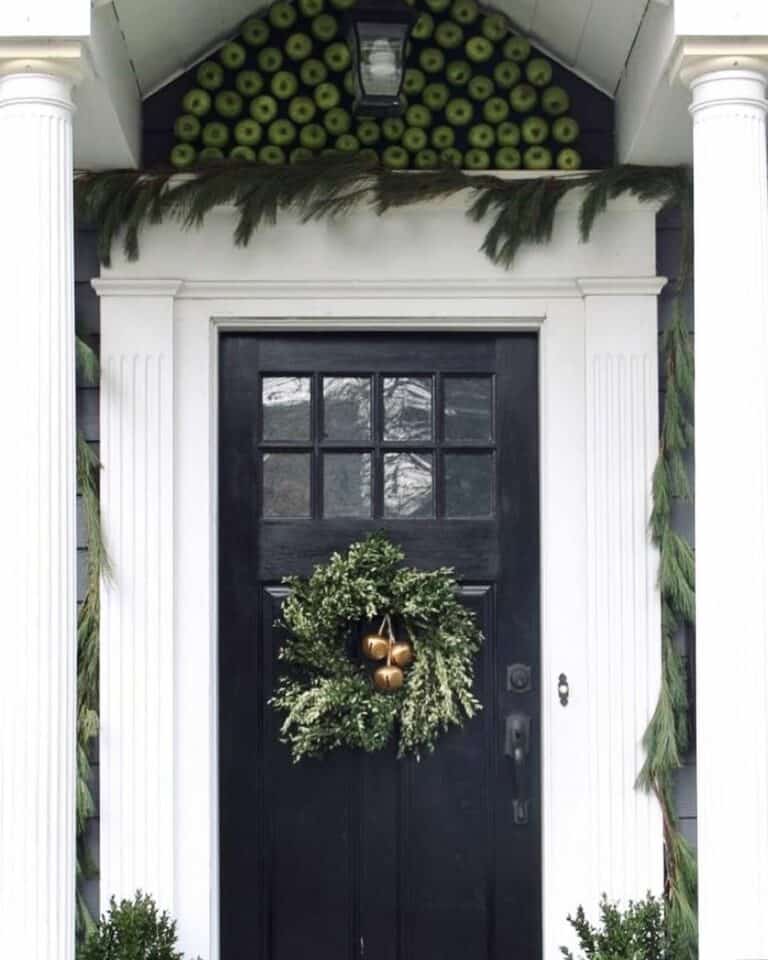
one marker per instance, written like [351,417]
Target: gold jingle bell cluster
[398,654]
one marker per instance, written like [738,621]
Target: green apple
[270,59]
[481,136]
[228,104]
[435,96]
[507,158]
[426,160]
[506,73]
[327,95]
[272,155]
[459,112]
[282,15]
[537,158]
[495,27]
[215,134]
[517,49]
[248,133]
[442,137]
[458,72]
[431,60]
[477,159]
[298,46]
[508,134]
[368,132]
[300,155]
[232,55]
[478,49]
[414,139]
[449,35]
[311,8]
[325,27]
[302,110]
[255,32]
[495,110]
[210,155]
[337,121]
[395,157]
[337,56]
[187,127]
[284,85]
[413,82]
[535,130]
[424,26]
[392,128]
[197,102]
[264,108]
[281,133]
[183,156]
[480,87]
[313,136]
[539,71]
[249,83]
[438,6]
[418,116]
[568,159]
[210,75]
[242,152]
[349,83]
[555,101]
[522,98]
[369,155]
[347,143]
[565,130]
[465,11]
[451,157]
[312,72]
[343,4]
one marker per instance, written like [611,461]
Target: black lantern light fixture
[378,35]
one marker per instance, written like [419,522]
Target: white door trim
[600,611]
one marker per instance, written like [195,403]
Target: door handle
[517,746]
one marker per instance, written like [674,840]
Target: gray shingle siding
[87,320]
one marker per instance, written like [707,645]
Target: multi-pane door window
[376,445]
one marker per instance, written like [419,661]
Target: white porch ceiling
[594,37]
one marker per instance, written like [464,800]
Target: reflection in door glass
[285,484]
[408,485]
[468,483]
[346,409]
[285,408]
[347,485]
[407,408]
[467,408]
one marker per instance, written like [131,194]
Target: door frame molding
[600,616]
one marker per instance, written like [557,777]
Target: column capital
[697,58]
[56,64]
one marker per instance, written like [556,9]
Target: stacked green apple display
[476,95]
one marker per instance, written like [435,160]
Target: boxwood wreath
[328,695]
[519,211]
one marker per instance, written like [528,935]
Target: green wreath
[332,694]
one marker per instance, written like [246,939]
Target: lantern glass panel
[381,58]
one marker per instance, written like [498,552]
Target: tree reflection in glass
[408,485]
[346,409]
[407,408]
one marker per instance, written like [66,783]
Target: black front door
[434,439]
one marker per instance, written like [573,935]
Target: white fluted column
[731,302]
[37,513]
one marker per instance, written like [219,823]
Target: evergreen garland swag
[327,694]
[520,210]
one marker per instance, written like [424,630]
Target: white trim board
[600,611]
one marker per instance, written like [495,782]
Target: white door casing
[594,307]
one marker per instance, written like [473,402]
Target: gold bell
[375,646]
[388,677]
[402,653]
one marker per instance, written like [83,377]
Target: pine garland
[520,211]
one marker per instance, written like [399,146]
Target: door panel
[368,856]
